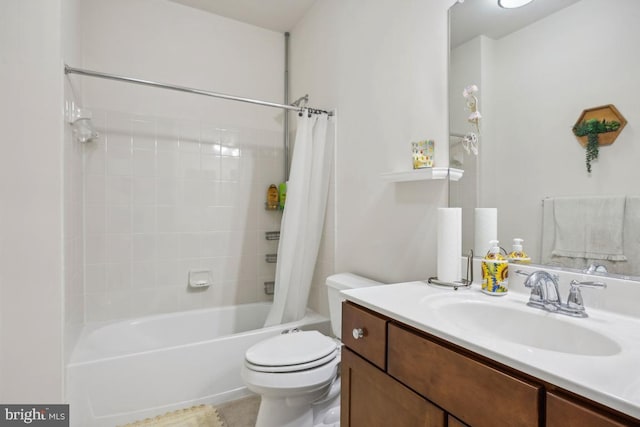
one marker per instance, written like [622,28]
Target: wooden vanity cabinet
[473,392]
[371,398]
[565,412]
[396,376]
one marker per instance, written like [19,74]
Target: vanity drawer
[473,392]
[563,412]
[373,340]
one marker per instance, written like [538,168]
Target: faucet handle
[574,301]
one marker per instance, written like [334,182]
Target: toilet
[297,374]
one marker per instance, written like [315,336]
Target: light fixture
[512,4]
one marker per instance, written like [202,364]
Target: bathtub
[129,370]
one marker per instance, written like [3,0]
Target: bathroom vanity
[399,369]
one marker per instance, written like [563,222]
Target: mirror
[537,68]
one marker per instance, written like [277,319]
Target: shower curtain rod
[90,73]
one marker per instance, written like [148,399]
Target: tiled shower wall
[163,197]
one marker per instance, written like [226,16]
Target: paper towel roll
[449,244]
[486,229]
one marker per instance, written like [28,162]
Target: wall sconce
[513,4]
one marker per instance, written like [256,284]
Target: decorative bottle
[495,271]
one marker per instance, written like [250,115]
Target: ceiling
[276,15]
[471,18]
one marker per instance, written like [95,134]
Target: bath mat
[196,416]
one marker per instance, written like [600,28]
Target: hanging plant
[591,129]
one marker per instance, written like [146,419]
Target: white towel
[589,227]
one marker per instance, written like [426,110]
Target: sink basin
[518,323]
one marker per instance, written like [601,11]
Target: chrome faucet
[545,294]
[544,290]
[595,268]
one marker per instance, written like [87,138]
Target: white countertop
[613,380]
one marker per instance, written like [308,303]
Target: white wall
[548,73]
[383,66]
[177,182]
[72,188]
[31,208]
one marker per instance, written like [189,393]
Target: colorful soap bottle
[518,255]
[495,271]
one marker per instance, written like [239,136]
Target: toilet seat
[292,352]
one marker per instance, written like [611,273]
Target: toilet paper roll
[486,229]
[449,244]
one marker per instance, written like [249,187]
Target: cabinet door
[470,390]
[371,398]
[454,422]
[562,412]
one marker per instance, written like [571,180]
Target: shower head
[80,120]
[83,130]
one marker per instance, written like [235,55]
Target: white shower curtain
[302,220]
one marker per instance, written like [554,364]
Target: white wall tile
[144,275]
[118,219]
[168,163]
[119,248]
[170,274]
[119,159]
[144,219]
[163,204]
[118,276]
[144,162]
[95,219]
[144,247]
[95,249]
[143,133]
[95,190]
[168,246]
[210,166]
[95,278]
[190,244]
[118,190]
[144,191]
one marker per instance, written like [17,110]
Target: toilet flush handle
[357,333]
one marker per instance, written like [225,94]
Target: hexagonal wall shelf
[607,112]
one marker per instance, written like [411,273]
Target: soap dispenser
[495,271]
[518,255]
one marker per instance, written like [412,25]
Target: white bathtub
[125,371]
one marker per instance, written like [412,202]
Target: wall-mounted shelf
[423,175]
[605,112]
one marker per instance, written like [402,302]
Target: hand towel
[589,227]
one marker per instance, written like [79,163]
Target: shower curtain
[302,220]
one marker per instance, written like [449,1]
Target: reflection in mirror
[534,82]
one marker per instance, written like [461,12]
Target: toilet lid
[289,350]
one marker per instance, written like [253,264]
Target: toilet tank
[335,284]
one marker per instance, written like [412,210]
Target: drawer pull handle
[358,333]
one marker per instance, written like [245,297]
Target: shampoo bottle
[272,197]
[282,194]
[518,255]
[495,271]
